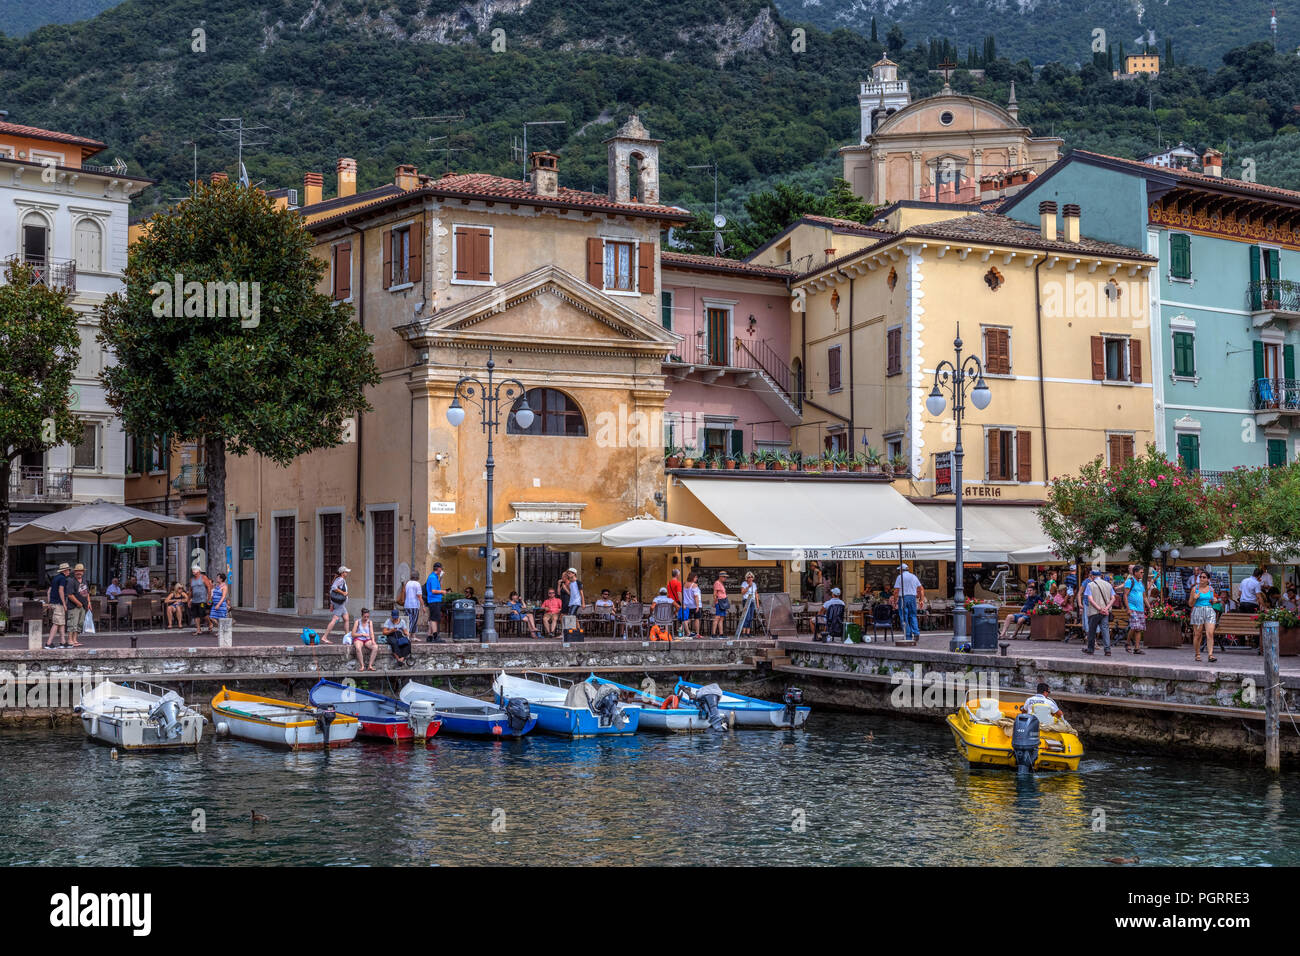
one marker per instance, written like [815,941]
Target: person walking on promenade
[78,604]
[911,595]
[748,593]
[220,611]
[200,598]
[433,597]
[1097,595]
[339,604]
[1201,601]
[60,584]
[413,597]
[1135,591]
[721,606]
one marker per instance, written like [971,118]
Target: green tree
[873,31]
[894,39]
[39,348]
[1080,515]
[1158,503]
[277,377]
[1261,510]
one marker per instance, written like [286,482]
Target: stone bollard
[224,636]
[34,642]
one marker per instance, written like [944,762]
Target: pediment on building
[926,113]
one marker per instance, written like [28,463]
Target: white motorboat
[282,723]
[139,716]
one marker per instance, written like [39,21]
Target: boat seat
[988,712]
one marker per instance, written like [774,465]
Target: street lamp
[488,399]
[955,378]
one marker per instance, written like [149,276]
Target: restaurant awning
[806,520]
[992,532]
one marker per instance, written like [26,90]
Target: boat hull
[135,734]
[579,722]
[119,715]
[988,745]
[463,716]
[382,717]
[276,723]
[396,731]
[751,713]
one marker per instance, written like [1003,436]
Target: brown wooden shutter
[481,240]
[343,270]
[1024,464]
[464,253]
[994,454]
[1098,359]
[596,263]
[1126,443]
[645,281]
[1113,450]
[388,258]
[997,351]
[1135,361]
[415,261]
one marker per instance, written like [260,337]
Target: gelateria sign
[765,553]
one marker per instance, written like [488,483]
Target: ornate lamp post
[955,378]
[488,399]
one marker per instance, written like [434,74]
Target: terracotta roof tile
[35,132]
[988,227]
[686,260]
[848,225]
[1198,179]
[498,187]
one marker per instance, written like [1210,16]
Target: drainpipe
[360,299]
[852,402]
[1042,387]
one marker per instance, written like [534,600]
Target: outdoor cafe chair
[630,620]
[665,615]
[882,618]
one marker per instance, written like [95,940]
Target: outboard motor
[324,718]
[606,706]
[164,712]
[518,712]
[420,716]
[706,701]
[1024,742]
[793,698]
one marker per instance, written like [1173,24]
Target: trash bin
[984,628]
[462,620]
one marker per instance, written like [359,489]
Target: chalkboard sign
[881,577]
[768,579]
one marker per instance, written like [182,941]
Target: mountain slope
[20,17]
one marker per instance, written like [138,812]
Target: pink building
[732,382]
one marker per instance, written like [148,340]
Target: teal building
[1225,312]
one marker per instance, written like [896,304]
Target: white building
[1181,156]
[882,95]
[70,220]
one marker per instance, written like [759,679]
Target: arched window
[36,238]
[89,245]
[554,413]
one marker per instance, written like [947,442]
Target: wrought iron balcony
[1273,295]
[1275,394]
[51,272]
[34,483]
[192,478]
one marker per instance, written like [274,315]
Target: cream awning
[993,532]
[807,520]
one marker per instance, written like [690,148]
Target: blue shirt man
[433,592]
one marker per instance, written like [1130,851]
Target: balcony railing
[761,357]
[1281,394]
[192,478]
[51,272]
[1274,295]
[34,483]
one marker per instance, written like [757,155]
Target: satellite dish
[719,221]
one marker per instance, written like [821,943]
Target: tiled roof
[846,225]
[685,260]
[988,227]
[1196,179]
[35,132]
[358,199]
[498,187]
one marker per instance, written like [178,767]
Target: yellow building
[1136,63]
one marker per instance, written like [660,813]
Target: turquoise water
[847,790]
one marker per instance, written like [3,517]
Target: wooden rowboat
[282,723]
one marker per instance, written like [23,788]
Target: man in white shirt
[1250,590]
[911,595]
[1041,698]
[113,592]
[1098,594]
[413,597]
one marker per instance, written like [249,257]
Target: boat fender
[222,728]
[1025,741]
[94,724]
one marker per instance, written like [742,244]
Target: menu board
[768,579]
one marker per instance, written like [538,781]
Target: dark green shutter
[1254,283]
[1189,452]
[737,441]
[1273,269]
[666,309]
[1180,256]
[1276,452]
[1288,362]
[1259,360]
[1184,355]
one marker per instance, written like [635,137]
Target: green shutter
[1254,284]
[737,441]
[1259,360]
[1288,362]
[1272,268]
[1184,355]
[1180,256]
[1276,452]
[1189,452]
[666,309]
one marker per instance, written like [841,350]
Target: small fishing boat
[382,717]
[749,712]
[667,715]
[282,723]
[986,735]
[571,709]
[139,716]
[469,716]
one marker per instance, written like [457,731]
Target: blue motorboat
[382,717]
[471,717]
[748,712]
[669,715]
[571,709]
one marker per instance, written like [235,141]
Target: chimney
[1071,214]
[4,116]
[407,177]
[347,178]
[219,177]
[1212,163]
[544,175]
[1047,219]
[313,188]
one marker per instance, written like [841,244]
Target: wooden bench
[1236,625]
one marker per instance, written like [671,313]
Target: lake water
[846,790]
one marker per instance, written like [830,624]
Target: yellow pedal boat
[982,729]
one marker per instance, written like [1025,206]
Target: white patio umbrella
[520,532]
[635,532]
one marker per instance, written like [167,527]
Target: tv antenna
[232,127]
[719,220]
[521,153]
[450,119]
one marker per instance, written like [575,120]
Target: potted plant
[705,461]
[4,620]
[1047,622]
[688,457]
[872,460]
[899,464]
[729,462]
[857,463]
[673,457]
[779,461]
[1288,638]
[1165,625]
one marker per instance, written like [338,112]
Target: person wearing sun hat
[78,596]
[60,584]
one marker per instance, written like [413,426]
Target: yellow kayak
[982,729]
